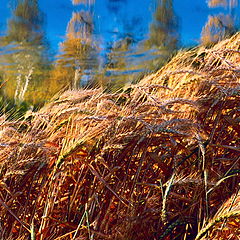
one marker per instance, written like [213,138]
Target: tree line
[29,73]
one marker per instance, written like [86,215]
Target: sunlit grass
[159,160]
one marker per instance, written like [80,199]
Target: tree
[160,45]
[219,26]
[26,24]
[28,61]
[222,3]
[78,53]
[163,35]
[163,31]
[86,2]
[117,69]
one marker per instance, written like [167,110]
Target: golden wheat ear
[157,161]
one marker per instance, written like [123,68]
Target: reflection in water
[122,64]
[25,58]
[219,26]
[85,58]
[163,35]
[118,69]
[86,2]
[78,53]
[223,3]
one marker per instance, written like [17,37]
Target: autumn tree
[78,52]
[117,68]
[163,36]
[85,2]
[26,24]
[217,28]
[28,58]
[161,43]
[221,25]
[222,3]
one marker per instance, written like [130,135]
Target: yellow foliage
[87,2]
[222,3]
[217,3]
[216,28]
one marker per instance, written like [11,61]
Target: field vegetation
[158,160]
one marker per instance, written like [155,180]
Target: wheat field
[159,160]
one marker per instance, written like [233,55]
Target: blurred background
[46,46]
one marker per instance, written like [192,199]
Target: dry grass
[158,161]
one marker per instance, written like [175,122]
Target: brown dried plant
[159,160]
